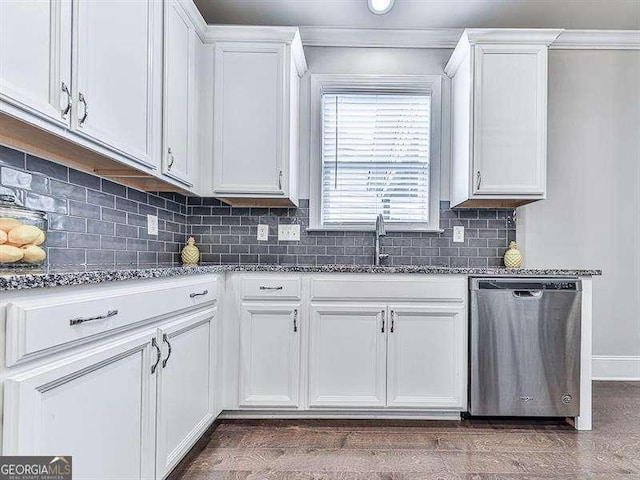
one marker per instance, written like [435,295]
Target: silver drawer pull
[264,287]
[77,321]
[193,295]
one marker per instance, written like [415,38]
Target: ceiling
[416,14]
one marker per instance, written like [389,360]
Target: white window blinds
[375,157]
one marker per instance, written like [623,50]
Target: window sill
[388,229]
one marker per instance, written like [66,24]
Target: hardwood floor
[384,450]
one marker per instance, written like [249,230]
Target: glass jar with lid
[23,233]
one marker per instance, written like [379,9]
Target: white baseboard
[616,367]
[341,414]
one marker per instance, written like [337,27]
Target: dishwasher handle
[527,293]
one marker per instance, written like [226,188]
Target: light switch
[458,234]
[152,225]
[289,233]
[263,233]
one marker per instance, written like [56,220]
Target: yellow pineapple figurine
[190,253]
[513,257]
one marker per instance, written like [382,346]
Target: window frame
[402,84]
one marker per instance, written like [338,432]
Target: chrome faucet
[380,232]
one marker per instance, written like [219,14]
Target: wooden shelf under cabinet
[35,141]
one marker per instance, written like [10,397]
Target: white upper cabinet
[256,88]
[35,58]
[180,43]
[117,76]
[426,356]
[499,117]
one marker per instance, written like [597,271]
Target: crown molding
[521,36]
[195,16]
[449,37]
[462,51]
[598,40]
[380,38]
[297,54]
[250,33]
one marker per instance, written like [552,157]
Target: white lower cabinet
[399,356]
[426,356]
[129,409]
[269,355]
[185,387]
[347,352]
[98,408]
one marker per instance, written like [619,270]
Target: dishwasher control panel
[525,284]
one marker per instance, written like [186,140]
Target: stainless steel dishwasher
[525,347]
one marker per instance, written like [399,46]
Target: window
[375,154]
[375,157]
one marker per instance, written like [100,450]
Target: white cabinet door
[427,357]
[35,57]
[98,408]
[347,357]
[249,118]
[117,75]
[185,386]
[510,122]
[179,68]
[269,355]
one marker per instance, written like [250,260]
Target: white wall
[592,215]
[372,61]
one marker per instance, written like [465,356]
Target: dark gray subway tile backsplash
[93,221]
[97,222]
[228,235]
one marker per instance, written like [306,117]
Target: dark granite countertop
[29,278]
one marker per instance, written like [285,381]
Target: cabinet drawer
[390,288]
[39,325]
[267,286]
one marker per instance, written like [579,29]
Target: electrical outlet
[263,233]
[458,234]
[289,233]
[152,225]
